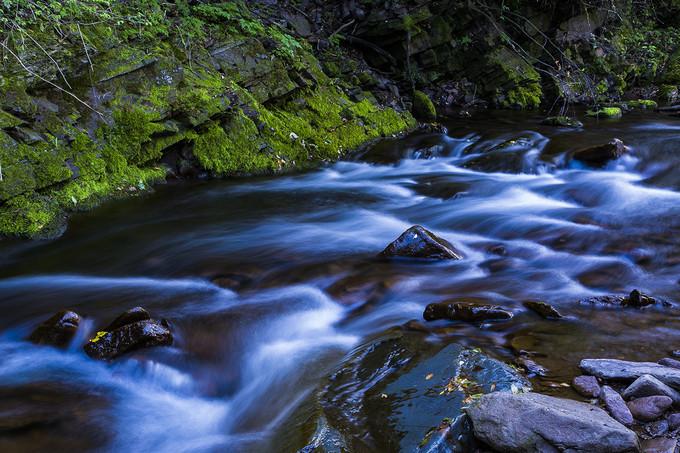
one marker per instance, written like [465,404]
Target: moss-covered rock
[562,121]
[605,112]
[423,107]
[644,104]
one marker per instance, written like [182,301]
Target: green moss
[30,216]
[234,152]
[132,128]
[423,107]
[519,84]
[8,120]
[606,112]
[645,104]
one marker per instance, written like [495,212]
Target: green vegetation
[423,108]
[163,89]
[606,112]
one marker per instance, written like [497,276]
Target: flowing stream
[247,364]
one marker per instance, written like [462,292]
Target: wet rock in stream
[635,299]
[600,155]
[130,331]
[546,311]
[57,331]
[465,311]
[659,445]
[403,393]
[417,242]
[531,422]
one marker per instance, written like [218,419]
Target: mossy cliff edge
[146,89]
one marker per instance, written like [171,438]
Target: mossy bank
[148,90]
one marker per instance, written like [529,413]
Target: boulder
[647,385]
[586,386]
[546,311]
[628,371]
[598,156]
[465,311]
[531,422]
[132,315]
[616,406]
[57,331]
[417,242]
[649,408]
[130,337]
[638,300]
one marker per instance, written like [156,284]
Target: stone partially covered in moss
[645,104]
[423,107]
[562,121]
[605,112]
[515,82]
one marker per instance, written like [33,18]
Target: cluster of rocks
[420,243]
[639,395]
[132,330]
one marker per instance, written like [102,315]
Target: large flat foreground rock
[531,422]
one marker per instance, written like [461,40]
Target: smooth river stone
[586,386]
[649,408]
[628,371]
[616,406]
[647,385]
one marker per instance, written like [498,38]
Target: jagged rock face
[417,242]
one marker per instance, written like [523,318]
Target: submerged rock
[628,371]
[130,331]
[647,385]
[401,393]
[57,331]
[546,311]
[635,299]
[417,242]
[562,121]
[586,386]
[615,405]
[598,156]
[465,311]
[531,422]
[649,408]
